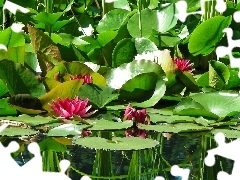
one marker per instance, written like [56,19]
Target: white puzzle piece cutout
[182,14]
[228,150]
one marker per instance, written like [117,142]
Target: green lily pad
[17,131]
[67,130]
[229,133]
[117,143]
[32,120]
[175,128]
[158,118]
[98,125]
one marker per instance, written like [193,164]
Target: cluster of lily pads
[116,72]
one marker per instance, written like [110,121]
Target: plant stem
[48,9]
[106,7]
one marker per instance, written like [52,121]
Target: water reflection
[185,151]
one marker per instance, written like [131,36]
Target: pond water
[185,151]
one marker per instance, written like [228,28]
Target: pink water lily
[138,116]
[184,65]
[87,79]
[68,107]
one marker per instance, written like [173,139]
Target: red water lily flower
[184,65]
[68,107]
[86,78]
[138,116]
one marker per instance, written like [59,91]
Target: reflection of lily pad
[117,143]
[108,125]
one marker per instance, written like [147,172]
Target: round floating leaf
[123,52]
[67,129]
[117,77]
[98,125]
[175,128]
[229,133]
[32,120]
[117,143]
[206,36]
[158,118]
[113,20]
[17,131]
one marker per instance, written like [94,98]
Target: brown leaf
[43,45]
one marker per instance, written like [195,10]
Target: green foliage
[69,38]
[210,32]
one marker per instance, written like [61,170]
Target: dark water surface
[185,151]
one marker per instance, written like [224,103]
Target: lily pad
[32,120]
[67,129]
[175,128]
[117,143]
[229,133]
[17,131]
[98,125]
[158,118]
